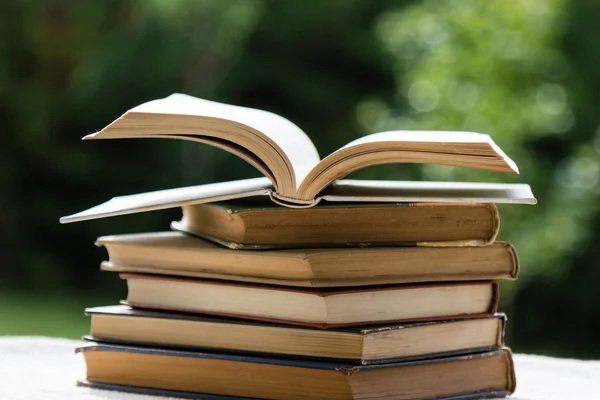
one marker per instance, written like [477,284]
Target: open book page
[236,150]
[277,141]
[283,152]
[457,142]
[462,149]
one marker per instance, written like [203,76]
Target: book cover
[320,292]
[501,384]
[237,340]
[199,396]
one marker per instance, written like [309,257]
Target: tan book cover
[321,308]
[176,372]
[256,225]
[175,253]
[366,345]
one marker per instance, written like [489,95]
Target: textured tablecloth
[37,368]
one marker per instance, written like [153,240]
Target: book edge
[200,396]
[127,311]
[322,292]
[318,325]
[273,360]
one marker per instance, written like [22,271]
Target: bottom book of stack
[201,357]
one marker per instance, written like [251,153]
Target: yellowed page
[466,149]
[269,131]
[456,142]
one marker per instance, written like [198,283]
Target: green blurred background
[526,72]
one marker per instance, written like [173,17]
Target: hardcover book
[256,225]
[364,345]
[295,176]
[477,375]
[324,308]
[175,253]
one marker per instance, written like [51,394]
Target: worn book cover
[366,345]
[258,377]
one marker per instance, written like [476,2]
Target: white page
[294,143]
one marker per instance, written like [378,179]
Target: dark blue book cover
[200,396]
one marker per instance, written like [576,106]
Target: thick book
[364,345]
[478,375]
[178,254]
[256,225]
[294,173]
[324,308]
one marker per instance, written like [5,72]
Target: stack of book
[303,286]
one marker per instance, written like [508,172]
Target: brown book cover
[477,375]
[259,225]
[363,344]
[174,253]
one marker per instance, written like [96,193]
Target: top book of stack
[295,176]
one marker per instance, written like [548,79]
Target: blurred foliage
[505,68]
[523,71]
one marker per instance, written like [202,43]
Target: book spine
[495,214]
[515,260]
[495,298]
[501,329]
[292,202]
[511,377]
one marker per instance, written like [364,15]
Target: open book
[295,173]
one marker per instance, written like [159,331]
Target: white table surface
[38,368]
